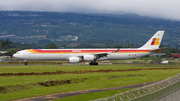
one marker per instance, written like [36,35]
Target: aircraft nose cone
[15,55]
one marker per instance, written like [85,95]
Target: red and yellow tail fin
[154,42]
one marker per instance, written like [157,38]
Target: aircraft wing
[102,56]
[99,56]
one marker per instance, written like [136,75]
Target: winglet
[154,42]
[116,50]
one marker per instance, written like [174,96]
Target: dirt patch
[84,71]
[14,88]
[61,82]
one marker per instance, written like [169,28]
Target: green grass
[51,68]
[94,81]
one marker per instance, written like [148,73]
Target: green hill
[65,28]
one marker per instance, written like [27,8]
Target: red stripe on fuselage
[89,51]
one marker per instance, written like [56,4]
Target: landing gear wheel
[93,63]
[25,62]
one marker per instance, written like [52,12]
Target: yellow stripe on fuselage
[31,51]
[36,52]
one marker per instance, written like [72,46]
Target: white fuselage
[27,55]
[93,55]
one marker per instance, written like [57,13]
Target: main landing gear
[93,63]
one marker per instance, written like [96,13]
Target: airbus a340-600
[92,55]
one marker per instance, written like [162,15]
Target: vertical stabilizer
[154,42]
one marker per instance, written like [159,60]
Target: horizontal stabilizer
[158,50]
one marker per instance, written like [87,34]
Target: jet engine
[75,59]
[89,57]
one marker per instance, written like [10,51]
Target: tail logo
[155,41]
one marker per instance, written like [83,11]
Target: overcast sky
[169,9]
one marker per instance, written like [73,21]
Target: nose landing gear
[25,62]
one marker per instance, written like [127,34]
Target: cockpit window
[17,52]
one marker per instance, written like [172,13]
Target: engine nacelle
[75,59]
[89,57]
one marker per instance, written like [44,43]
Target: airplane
[93,55]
